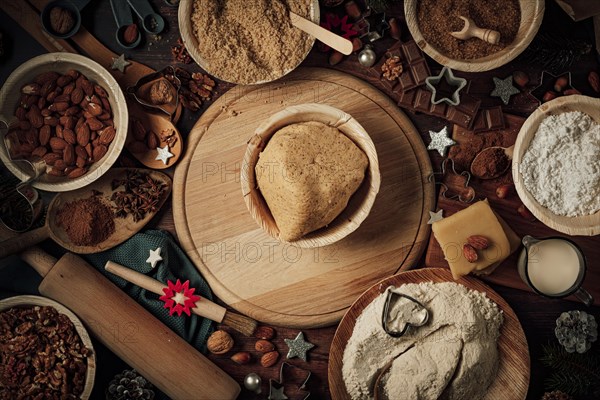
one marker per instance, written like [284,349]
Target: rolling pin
[129,331]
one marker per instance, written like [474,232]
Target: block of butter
[477,219]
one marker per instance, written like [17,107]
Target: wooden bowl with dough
[585,225]
[532,12]
[360,202]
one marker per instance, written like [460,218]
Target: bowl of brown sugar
[515,21]
[246,41]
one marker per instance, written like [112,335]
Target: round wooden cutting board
[512,378]
[278,283]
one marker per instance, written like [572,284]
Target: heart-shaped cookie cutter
[407,324]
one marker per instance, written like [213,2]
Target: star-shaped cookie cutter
[445,189]
[455,83]
[276,387]
[547,80]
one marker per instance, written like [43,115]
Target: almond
[95,99]
[99,152]
[32,88]
[94,109]
[81,161]
[131,34]
[107,135]
[264,346]
[61,98]
[35,116]
[52,121]
[152,141]
[24,125]
[42,105]
[50,158]
[89,150]
[243,357]
[479,242]
[99,90]
[59,131]
[106,104]
[21,113]
[32,137]
[264,332]
[139,131]
[57,143]
[64,80]
[58,107]
[60,164]
[69,136]
[77,95]
[69,88]
[94,124]
[44,135]
[55,172]
[470,253]
[269,359]
[69,155]
[594,80]
[45,112]
[82,134]
[51,97]
[73,110]
[80,151]
[46,77]
[76,173]
[39,151]
[67,121]
[47,88]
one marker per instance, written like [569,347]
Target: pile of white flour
[561,167]
[453,356]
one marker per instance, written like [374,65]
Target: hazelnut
[525,213]
[220,342]
[520,78]
[243,357]
[549,95]
[61,20]
[561,84]
[503,191]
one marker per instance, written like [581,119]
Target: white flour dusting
[453,356]
[561,167]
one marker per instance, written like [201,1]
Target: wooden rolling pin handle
[204,308]
[131,332]
[41,261]
[23,241]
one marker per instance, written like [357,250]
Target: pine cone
[129,385]
[556,395]
[576,331]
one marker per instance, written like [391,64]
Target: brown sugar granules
[436,18]
[86,221]
[248,41]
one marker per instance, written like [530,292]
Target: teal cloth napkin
[174,265]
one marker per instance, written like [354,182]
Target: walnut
[61,20]
[220,342]
[392,68]
[160,92]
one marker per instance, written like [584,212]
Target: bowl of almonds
[65,114]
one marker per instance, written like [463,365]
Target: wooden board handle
[332,40]
[204,307]
[23,241]
[134,334]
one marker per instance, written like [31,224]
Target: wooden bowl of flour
[585,225]
[360,202]
[532,13]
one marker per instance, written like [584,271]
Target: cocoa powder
[86,221]
[436,18]
[490,163]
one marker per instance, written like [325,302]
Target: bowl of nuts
[65,113]
[45,351]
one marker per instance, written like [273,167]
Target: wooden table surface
[537,314]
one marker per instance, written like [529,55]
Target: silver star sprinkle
[120,63]
[435,216]
[155,257]
[440,141]
[504,88]
[277,394]
[298,347]
[164,154]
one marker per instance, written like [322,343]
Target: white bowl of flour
[556,164]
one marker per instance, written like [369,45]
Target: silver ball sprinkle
[367,56]
[253,382]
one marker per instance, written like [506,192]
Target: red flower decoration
[343,28]
[179,297]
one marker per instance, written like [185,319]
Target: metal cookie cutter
[141,90]
[415,314]
[469,191]
[445,87]
[276,387]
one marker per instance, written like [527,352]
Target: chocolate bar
[415,68]
[489,119]
[463,114]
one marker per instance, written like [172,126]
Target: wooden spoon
[378,391]
[483,170]
[124,227]
[332,40]
[471,30]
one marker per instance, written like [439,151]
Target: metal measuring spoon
[152,22]
[123,18]
[73,6]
